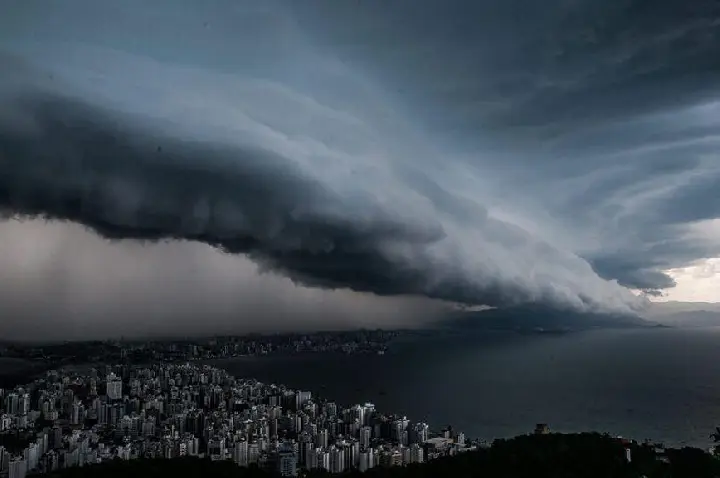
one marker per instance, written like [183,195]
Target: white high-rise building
[114,387]
[31,456]
[352,455]
[416,453]
[368,413]
[17,468]
[365,437]
[253,452]
[240,453]
[337,460]
[323,459]
[358,412]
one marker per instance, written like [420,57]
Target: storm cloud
[83,164]
[488,153]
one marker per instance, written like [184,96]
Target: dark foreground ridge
[582,455]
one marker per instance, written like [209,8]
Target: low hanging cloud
[252,193]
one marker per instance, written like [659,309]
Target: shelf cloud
[562,157]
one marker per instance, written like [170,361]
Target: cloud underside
[604,114]
[457,152]
[83,164]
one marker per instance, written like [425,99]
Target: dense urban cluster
[75,418]
[143,351]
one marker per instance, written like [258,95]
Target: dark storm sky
[347,156]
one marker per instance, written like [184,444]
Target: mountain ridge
[541,319]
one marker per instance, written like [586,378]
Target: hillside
[539,318]
[694,318]
[685,314]
[676,307]
[587,455]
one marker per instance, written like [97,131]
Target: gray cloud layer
[479,152]
[81,164]
[606,115]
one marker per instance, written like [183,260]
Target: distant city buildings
[61,354]
[175,410]
[114,387]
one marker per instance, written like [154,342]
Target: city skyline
[75,419]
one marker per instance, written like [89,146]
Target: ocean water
[661,384]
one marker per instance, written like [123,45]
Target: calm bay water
[662,384]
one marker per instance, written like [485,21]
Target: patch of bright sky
[699,282]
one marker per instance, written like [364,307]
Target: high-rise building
[304,445]
[240,453]
[273,427]
[12,403]
[321,439]
[17,468]
[390,458]
[24,404]
[365,437]
[56,437]
[358,412]
[75,413]
[399,428]
[287,462]
[337,460]
[367,460]
[301,398]
[253,452]
[405,452]
[216,449]
[416,453]
[114,387]
[352,455]
[31,456]
[369,411]
[42,441]
[323,458]
[421,432]
[311,458]
[4,459]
